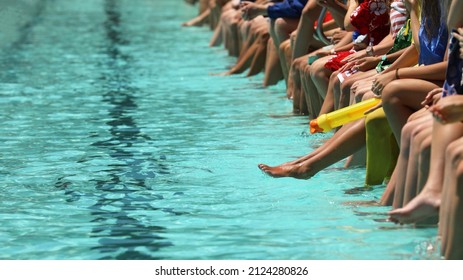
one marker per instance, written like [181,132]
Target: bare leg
[347,87]
[351,141]
[328,102]
[427,203]
[403,97]
[258,61]
[312,98]
[388,195]
[273,72]
[216,39]
[451,210]
[294,89]
[320,76]
[258,40]
[402,164]
[228,18]
[280,30]
[320,149]
[312,95]
[199,20]
[419,150]
[305,30]
[285,48]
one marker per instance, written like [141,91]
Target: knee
[317,71]
[345,88]
[334,79]
[254,28]
[306,70]
[262,33]
[407,132]
[280,25]
[418,134]
[311,12]
[390,92]
[293,36]
[300,62]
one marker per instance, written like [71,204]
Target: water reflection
[121,235]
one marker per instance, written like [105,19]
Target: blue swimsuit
[432,50]
[286,9]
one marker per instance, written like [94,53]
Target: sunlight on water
[118,144]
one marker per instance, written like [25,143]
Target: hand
[355,56]
[432,97]
[448,109]
[338,35]
[459,36]
[381,81]
[366,63]
[250,10]
[348,66]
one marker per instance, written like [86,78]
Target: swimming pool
[118,144]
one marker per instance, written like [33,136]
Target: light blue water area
[117,143]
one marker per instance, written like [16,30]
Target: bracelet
[397,74]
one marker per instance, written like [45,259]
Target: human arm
[455,18]
[413,6]
[351,7]
[250,10]
[448,109]
[383,47]
[432,97]
[337,9]
[431,72]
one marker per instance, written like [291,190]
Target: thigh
[408,92]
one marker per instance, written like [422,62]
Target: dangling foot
[425,205]
[295,171]
[289,93]
[221,74]
[192,22]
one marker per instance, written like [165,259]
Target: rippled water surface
[117,143]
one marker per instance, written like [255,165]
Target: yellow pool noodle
[327,122]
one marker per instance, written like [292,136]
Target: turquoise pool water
[118,144]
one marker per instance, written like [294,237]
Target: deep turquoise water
[118,144]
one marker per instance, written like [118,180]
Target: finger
[362,67]
[458,36]
[345,60]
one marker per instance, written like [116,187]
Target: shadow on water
[121,235]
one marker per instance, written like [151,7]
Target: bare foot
[192,23]
[425,205]
[222,74]
[289,93]
[295,171]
